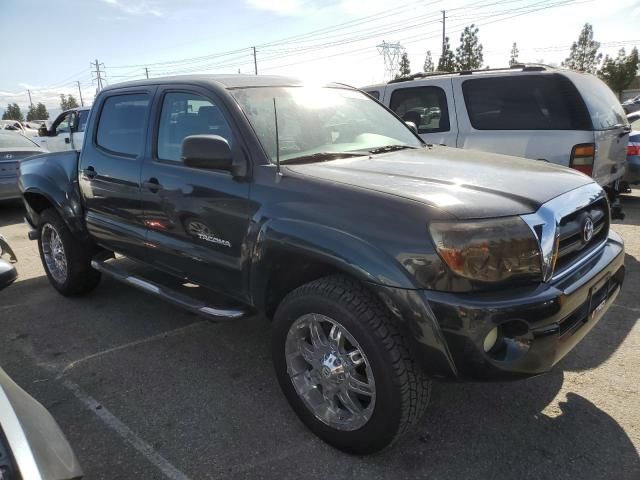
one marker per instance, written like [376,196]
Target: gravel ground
[146,391]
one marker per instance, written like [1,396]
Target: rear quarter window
[373,93]
[604,106]
[121,124]
[525,102]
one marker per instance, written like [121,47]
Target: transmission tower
[391,52]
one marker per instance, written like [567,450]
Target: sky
[49,45]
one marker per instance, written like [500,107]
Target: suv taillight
[582,156]
[633,149]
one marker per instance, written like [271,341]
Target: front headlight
[488,250]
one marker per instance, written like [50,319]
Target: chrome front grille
[573,241]
[561,226]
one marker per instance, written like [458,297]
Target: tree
[405,66]
[447,62]
[68,102]
[619,72]
[428,63]
[41,112]
[13,112]
[31,113]
[469,53]
[584,56]
[513,59]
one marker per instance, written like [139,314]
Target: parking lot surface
[144,390]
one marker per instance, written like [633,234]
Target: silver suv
[537,112]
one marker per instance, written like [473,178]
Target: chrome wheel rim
[54,254]
[330,372]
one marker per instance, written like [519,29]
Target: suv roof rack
[523,67]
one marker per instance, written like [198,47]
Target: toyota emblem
[587,230]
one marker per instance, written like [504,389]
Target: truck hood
[464,183]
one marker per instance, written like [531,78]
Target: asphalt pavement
[144,390]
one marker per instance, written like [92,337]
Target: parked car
[32,446]
[13,149]
[17,126]
[66,131]
[632,175]
[560,116]
[381,260]
[631,105]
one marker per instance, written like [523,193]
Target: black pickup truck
[382,261]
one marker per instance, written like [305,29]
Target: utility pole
[29,93]
[255,60]
[444,17]
[146,72]
[80,92]
[98,73]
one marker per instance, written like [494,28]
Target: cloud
[138,7]
[282,7]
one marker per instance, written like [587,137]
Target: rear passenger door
[110,166]
[197,219]
[429,106]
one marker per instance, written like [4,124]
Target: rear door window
[121,124]
[525,102]
[426,107]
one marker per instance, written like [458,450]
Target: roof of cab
[220,81]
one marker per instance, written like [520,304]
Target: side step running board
[177,298]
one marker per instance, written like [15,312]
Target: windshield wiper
[390,148]
[320,157]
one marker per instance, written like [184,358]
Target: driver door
[59,138]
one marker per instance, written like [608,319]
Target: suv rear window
[525,102]
[121,124]
[424,106]
[604,107]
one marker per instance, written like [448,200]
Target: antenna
[275,117]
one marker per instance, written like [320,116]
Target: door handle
[152,184]
[89,172]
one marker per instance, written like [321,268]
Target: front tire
[344,366]
[65,258]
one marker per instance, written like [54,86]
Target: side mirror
[412,126]
[208,152]
[42,131]
[8,272]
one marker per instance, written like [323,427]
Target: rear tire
[329,332]
[65,258]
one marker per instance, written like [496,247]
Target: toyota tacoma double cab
[383,262]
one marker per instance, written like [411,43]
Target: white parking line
[125,432]
[152,338]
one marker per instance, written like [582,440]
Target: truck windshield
[316,122]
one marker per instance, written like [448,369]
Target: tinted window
[374,93]
[121,124]
[604,107]
[185,114]
[525,102]
[424,106]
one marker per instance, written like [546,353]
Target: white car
[66,131]
[537,112]
[17,126]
